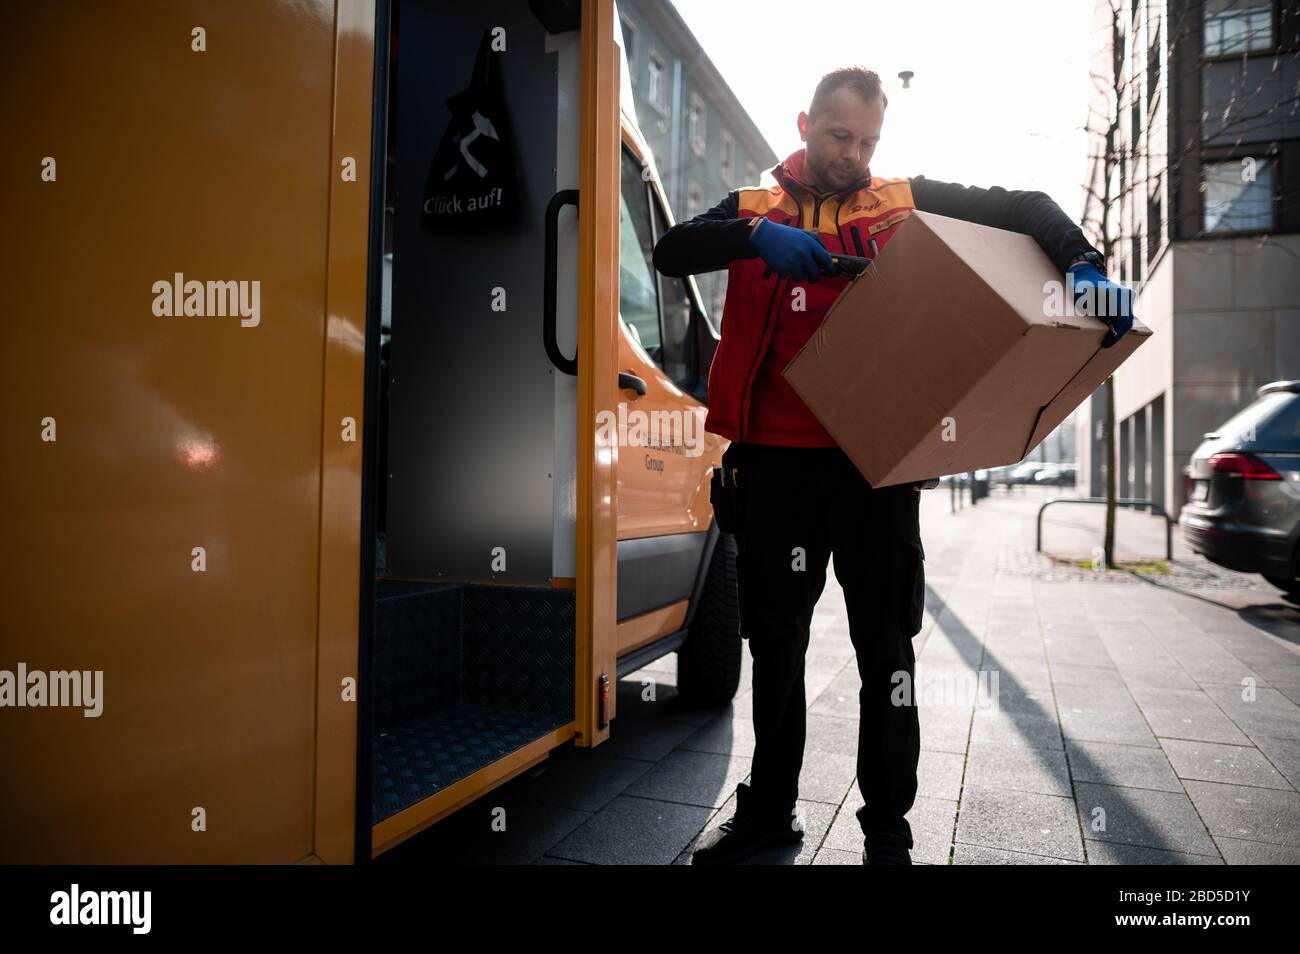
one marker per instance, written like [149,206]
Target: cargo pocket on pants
[725,494]
[914,612]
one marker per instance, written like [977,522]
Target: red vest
[762,331]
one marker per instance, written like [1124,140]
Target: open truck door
[318,493]
[547,527]
[493,634]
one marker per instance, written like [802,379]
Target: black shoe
[885,852]
[746,832]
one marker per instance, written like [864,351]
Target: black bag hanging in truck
[473,179]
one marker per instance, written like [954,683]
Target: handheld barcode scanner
[851,265]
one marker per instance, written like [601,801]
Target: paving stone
[839,698]
[692,778]
[978,855]
[1157,677]
[829,658]
[1018,768]
[1237,851]
[633,831]
[1019,821]
[1139,816]
[1115,853]
[1253,814]
[1285,677]
[826,776]
[1186,714]
[835,856]
[938,774]
[1215,762]
[1098,676]
[1018,671]
[647,738]
[1038,728]
[1284,754]
[1102,715]
[945,728]
[726,734]
[1270,713]
[1132,766]
[831,733]
[1010,695]
[582,779]
[1211,668]
[818,681]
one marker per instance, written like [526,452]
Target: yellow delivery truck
[329,511]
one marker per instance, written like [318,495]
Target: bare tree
[1120,89]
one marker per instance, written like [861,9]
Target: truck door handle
[567,365]
[628,380]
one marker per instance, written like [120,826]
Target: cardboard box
[941,358]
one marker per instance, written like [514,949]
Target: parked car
[1001,476]
[1242,507]
[1056,475]
[1023,473]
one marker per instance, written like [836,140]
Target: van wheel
[708,664]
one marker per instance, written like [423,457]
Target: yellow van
[338,521]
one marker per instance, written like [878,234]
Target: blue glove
[1103,299]
[791,251]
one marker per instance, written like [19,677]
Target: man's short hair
[866,83]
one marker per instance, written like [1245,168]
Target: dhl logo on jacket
[765,321]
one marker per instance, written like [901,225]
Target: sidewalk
[1125,730]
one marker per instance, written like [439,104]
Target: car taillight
[1246,466]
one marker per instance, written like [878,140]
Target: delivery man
[801,498]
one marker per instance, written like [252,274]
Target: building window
[1155,49]
[1237,26]
[751,174]
[695,124]
[658,91]
[1237,196]
[629,45]
[1155,221]
[694,201]
[728,158]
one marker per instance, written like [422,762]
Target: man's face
[841,139]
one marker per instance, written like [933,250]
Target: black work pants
[798,506]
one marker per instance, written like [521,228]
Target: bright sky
[999,98]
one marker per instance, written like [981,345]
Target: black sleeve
[1033,213]
[710,241]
